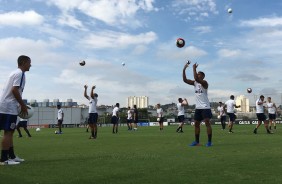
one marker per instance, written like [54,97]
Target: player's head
[232,97]
[134,106]
[58,106]
[24,62]
[117,104]
[201,75]
[158,105]
[269,99]
[220,103]
[96,95]
[261,97]
[180,100]
[128,107]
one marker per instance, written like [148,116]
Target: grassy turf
[146,156]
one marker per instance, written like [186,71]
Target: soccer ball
[158,119]
[192,123]
[30,112]
[249,90]
[56,131]
[123,64]
[218,117]
[180,42]
[82,63]
[229,10]
[37,129]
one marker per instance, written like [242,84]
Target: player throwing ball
[203,109]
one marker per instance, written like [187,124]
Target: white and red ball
[180,42]
[249,90]
[82,63]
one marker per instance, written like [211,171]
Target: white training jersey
[180,109]
[8,102]
[60,114]
[93,105]
[115,111]
[21,119]
[202,101]
[259,108]
[160,112]
[271,108]
[221,110]
[129,114]
[230,105]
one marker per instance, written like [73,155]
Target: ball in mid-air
[180,42]
[82,63]
[123,64]
[249,90]
[229,10]
[29,114]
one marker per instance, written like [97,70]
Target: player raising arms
[203,109]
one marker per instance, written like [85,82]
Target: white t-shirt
[60,114]
[180,109]
[230,104]
[8,102]
[129,114]
[160,112]
[93,105]
[271,108]
[221,110]
[259,108]
[115,111]
[202,101]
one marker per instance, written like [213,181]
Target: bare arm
[17,95]
[185,102]
[187,81]
[201,81]
[92,91]
[85,92]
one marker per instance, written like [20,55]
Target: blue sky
[236,51]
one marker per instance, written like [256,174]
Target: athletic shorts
[272,116]
[201,114]
[114,120]
[232,116]
[22,124]
[8,122]
[161,120]
[93,118]
[223,118]
[181,118]
[60,121]
[129,120]
[261,116]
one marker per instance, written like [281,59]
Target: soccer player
[129,118]
[203,109]
[229,106]
[10,99]
[160,116]
[60,118]
[271,107]
[115,118]
[260,115]
[93,114]
[135,117]
[22,123]
[222,115]
[180,108]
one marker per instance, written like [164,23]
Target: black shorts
[93,118]
[201,114]
[135,121]
[272,116]
[261,116]
[114,120]
[8,122]
[181,118]
[22,124]
[129,120]
[232,116]
[161,120]
[223,118]
[60,121]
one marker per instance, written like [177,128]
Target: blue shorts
[22,124]
[232,116]
[8,122]
[261,116]
[114,120]
[223,118]
[272,116]
[201,114]
[93,118]
[181,118]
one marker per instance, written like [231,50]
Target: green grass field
[146,156]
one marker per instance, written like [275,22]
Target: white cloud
[262,22]
[18,19]
[202,29]
[71,21]
[111,39]
[226,53]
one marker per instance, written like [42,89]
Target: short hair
[232,97]
[22,59]
[269,97]
[219,102]
[117,104]
[202,73]
[134,106]
[261,96]
[180,100]
[59,105]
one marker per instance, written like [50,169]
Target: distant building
[244,103]
[140,102]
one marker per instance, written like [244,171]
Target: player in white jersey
[260,115]
[22,123]
[229,106]
[129,118]
[115,118]
[10,100]
[93,114]
[60,119]
[181,112]
[271,107]
[160,119]
[203,109]
[222,115]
